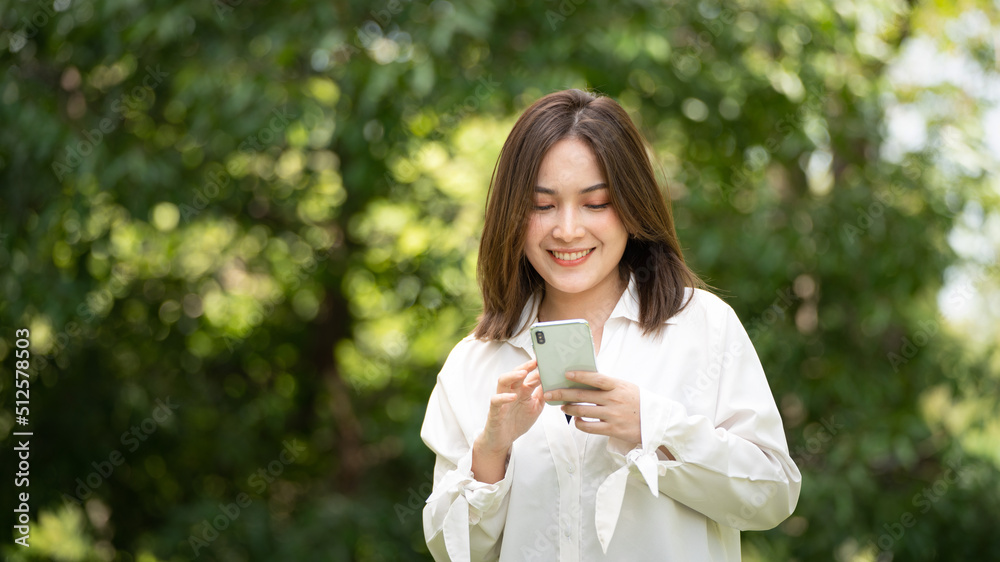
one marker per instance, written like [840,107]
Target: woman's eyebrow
[550,191]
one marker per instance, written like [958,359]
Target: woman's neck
[594,306]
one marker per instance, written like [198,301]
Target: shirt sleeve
[463,518]
[734,468]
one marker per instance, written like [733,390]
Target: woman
[681,445]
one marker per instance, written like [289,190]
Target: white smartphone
[560,346]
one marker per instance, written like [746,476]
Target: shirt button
[570,469]
[566,533]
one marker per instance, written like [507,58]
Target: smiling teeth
[570,257]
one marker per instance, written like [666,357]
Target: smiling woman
[577,228]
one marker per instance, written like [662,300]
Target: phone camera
[540,337]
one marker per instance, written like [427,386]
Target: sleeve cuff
[484,499]
[657,415]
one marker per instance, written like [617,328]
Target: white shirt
[570,496]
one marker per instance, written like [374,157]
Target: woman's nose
[568,226]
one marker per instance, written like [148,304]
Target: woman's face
[575,238]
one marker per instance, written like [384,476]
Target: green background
[266,214]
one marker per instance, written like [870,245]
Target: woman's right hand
[513,410]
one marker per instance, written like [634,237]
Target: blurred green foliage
[268,214]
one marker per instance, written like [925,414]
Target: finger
[524,390]
[598,397]
[592,427]
[511,380]
[533,379]
[536,394]
[585,411]
[596,380]
[527,365]
[514,378]
[498,400]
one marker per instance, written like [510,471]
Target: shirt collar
[628,303]
[626,307]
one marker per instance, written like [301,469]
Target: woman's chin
[570,286]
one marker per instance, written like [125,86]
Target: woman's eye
[592,207]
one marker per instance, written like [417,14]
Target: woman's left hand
[615,405]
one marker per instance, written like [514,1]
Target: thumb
[536,394]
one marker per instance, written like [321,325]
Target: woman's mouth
[570,258]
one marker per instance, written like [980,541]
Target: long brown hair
[506,278]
